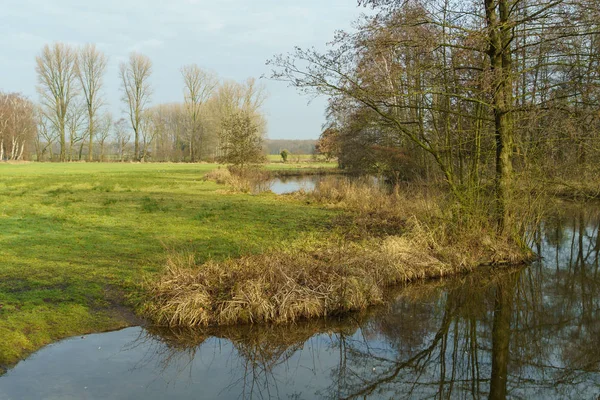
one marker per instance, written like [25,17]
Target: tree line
[215,120]
[478,94]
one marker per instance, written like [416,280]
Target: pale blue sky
[233,38]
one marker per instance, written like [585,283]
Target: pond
[530,332]
[290,184]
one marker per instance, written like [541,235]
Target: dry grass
[243,180]
[219,175]
[459,235]
[286,286]
[306,281]
[364,196]
[342,273]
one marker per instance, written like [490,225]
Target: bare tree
[76,128]
[46,136]
[122,137]
[456,84]
[198,87]
[57,86]
[91,66]
[150,128]
[167,123]
[135,76]
[17,125]
[102,133]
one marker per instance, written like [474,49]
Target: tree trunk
[191,147]
[81,151]
[91,137]
[497,12]
[20,156]
[63,143]
[136,150]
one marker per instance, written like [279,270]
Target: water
[523,333]
[292,184]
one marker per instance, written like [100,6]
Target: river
[524,333]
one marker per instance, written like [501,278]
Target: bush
[284,155]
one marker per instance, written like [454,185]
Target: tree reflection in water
[519,333]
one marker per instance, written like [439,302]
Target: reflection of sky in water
[293,184]
[436,339]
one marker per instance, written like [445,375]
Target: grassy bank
[381,240]
[75,240]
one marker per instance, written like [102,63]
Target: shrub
[284,155]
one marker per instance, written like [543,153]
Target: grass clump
[303,281]
[241,180]
[219,175]
[286,286]
[150,205]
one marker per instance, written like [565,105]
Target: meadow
[77,240]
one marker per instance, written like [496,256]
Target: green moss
[70,231]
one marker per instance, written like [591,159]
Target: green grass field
[77,239]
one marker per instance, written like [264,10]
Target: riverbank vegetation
[484,98]
[381,239]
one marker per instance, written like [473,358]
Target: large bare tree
[453,83]
[57,86]
[198,87]
[91,66]
[135,83]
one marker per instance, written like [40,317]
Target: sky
[233,38]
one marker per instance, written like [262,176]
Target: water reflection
[307,183]
[290,184]
[530,332]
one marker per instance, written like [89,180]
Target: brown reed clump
[290,285]
[244,180]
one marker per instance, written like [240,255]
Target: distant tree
[17,125]
[102,133]
[76,128]
[46,136]
[57,86]
[241,142]
[233,99]
[135,76]
[91,66]
[122,137]
[274,146]
[150,128]
[284,155]
[198,87]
